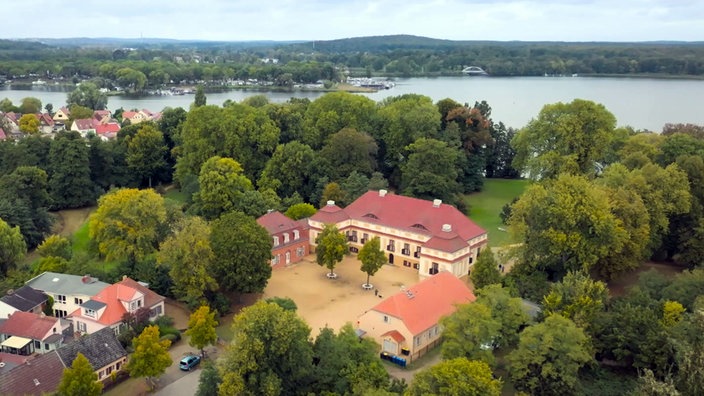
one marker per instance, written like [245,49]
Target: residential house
[102,116]
[109,307]
[108,130]
[3,135]
[46,123]
[290,238]
[429,237]
[26,333]
[407,323]
[42,374]
[62,115]
[24,299]
[68,291]
[134,117]
[84,126]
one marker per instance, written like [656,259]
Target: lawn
[176,195]
[80,240]
[485,206]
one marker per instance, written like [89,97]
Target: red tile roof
[412,214]
[420,307]
[84,124]
[38,376]
[129,114]
[398,337]
[330,214]
[29,325]
[446,242]
[111,127]
[276,222]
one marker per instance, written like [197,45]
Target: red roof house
[290,238]
[407,323]
[428,236]
[25,333]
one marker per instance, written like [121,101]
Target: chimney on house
[437,203]
[382,193]
[331,203]
[124,277]
[85,278]
[446,228]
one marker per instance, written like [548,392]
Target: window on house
[390,247]
[386,319]
[139,303]
[46,346]
[276,241]
[296,235]
[82,327]
[300,252]
[285,237]
[60,298]
[101,374]
[406,249]
[90,312]
[78,301]
[434,269]
[417,340]
[470,260]
[37,344]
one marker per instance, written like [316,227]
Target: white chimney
[331,203]
[382,193]
[437,203]
[446,228]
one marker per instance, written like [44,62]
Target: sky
[245,20]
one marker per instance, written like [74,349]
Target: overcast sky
[553,20]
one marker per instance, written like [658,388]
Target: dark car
[188,362]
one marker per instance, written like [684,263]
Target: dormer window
[276,241]
[90,313]
[296,235]
[285,237]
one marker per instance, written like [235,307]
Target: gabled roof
[84,124]
[275,222]
[24,299]
[129,114]
[100,348]
[29,325]
[102,129]
[65,110]
[55,283]
[40,375]
[420,307]
[45,119]
[398,337]
[412,214]
[330,214]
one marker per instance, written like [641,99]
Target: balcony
[363,241]
[407,252]
[390,248]
[352,238]
[433,271]
[416,254]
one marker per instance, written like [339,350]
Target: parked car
[188,362]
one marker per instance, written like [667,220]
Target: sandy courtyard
[325,302]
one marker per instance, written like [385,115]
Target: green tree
[671,313]
[127,224]
[332,192]
[79,112]
[549,356]
[133,80]
[269,354]
[355,185]
[151,355]
[222,184]
[431,171]
[30,105]
[188,255]
[209,380]
[88,95]
[470,333]
[56,246]
[565,224]
[349,150]
[485,271]
[69,183]
[201,328]
[649,385]
[23,202]
[577,297]
[29,124]
[12,247]
[146,152]
[289,169]
[331,248]
[300,211]
[455,377]
[80,379]
[200,98]
[334,111]
[506,310]
[284,302]
[242,252]
[564,138]
[689,347]
[372,258]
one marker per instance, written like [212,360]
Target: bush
[171,337]
[221,304]
[164,321]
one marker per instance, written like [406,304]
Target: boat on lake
[474,71]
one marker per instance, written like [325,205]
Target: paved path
[184,386]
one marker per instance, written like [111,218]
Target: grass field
[485,206]
[176,195]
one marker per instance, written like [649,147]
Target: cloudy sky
[554,20]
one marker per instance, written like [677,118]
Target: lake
[642,103]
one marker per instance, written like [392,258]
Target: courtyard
[333,302]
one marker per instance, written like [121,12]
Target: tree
[372,258]
[469,332]
[549,356]
[200,98]
[284,302]
[87,94]
[300,211]
[29,124]
[80,379]
[69,184]
[12,247]
[188,255]
[455,377]
[349,150]
[79,112]
[209,380]
[56,246]
[289,169]
[334,111]
[269,354]
[133,80]
[222,184]
[564,138]
[146,152]
[331,248]
[485,271]
[431,171]
[565,224]
[30,105]
[127,224]
[506,310]
[201,328]
[242,251]
[332,192]
[577,297]
[23,202]
[151,355]
[649,385]
[355,185]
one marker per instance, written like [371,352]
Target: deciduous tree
[506,310]
[372,258]
[349,150]
[29,124]
[146,152]
[151,355]
[331,248]
[458,376]
[289,169]
[12,247]
[87,94]
[201,328]
[485,271]
[222,183]
[577,297]
[470,333]
[69,184]
[431,171]
[80,379]
[56,246]
[300,211]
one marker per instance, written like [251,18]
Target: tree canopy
[331,247]
[456,377]
[80,379]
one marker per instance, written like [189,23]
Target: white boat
[474,71]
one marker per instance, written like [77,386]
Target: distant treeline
[402,56]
